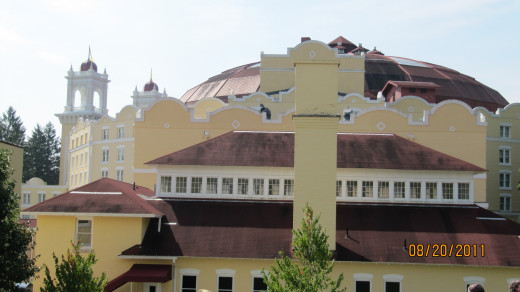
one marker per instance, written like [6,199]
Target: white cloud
[9,36]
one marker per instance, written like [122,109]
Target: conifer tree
[15,238]
[11,127]
[42,155]
[310,272]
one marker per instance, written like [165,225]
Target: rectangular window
[351,188]
[383,189]
[105,134]
[181,184]
[258,186]
[288,187]
[392,287]
[105,156]
[104,173]
[225,284]
[274,187]
[447,191]
[212,185]
[505,131]
[505,180]
[243,185]
[120,132]
[196,185]
[81,159]
[120,154]
[415,190]
[504,156]
[505,203]
[368,189]
[120,175]
[166,184]
[26,198]
[189,283]
[227,186]
[84,233]
[399,189]
[431,190]
[362,286]
[463,191]
[258,284]
[339,188]
[41,197]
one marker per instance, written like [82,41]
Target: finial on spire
[151,71]
[90,54]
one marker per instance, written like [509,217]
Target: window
[166,184]
[362,286]
[447,191]
[120,153]
[189,283]
[84,233]
[81,178]
[505,202]
[196,185]
[504,156]
[339,189]
[104,172]
[368,189]
[181,184]
[383,189]
[105,156]
[120,174]
[463,191]
[505,180]
[399,189]
[392,287]
[431,190]
[120,132]
[27,198]
[351,188]
[274,187]
[41,197]
[225,284]
[81,160]
[243,185]
[258,284]
[211,185]
[105,134]
[258,186]
[288,187]
[505,131]
[412,90]
[227,186]
[415,190]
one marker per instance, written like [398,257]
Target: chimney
[304,39]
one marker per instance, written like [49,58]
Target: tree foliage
[311,272]
[16,240]
[11,127]
[74,273]
[42,155]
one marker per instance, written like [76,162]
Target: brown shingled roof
[276,149]
[101,196]
[259,229]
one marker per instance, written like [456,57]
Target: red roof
[142,273]
[340,40]
[376,232]
[101,196]
[276,149]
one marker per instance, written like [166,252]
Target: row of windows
[120,154]
[78,179]
[105,133]
[225,282]
[227,186]
[79,141]
[77,160]
[26,200]
[119,173]
[402,189]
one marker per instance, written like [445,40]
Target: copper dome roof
[379,69]
[87,65]
[150,85]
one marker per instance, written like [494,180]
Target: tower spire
[151,71]
[89,54]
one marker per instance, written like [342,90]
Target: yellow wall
[36,186]
[16,161]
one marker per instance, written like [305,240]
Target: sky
[186,42]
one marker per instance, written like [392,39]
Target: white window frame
[505,196]
[105,155]
[363,277]
[394,278]
[255,274]
[190,272]
[120,132]
[226,273]
[506,173]
[120,174]
[104,172]
[26,200]
[502,132]
[83,246]
[105,133]
[147,285]
[289,183]
[120,153]
[504,152]
[41,197]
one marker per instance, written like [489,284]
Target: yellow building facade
[16,161]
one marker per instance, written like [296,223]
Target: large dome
[379,69]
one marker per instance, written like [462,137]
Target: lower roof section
[142,273]
[365,232]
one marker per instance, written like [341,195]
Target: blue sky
[186,42]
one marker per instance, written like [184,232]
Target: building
[388,182]
[16,161]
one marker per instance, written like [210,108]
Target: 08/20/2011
[446,250]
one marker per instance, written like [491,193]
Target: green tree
[15,238]
[74,273]
[42,155]
[11,127]
[310,273]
